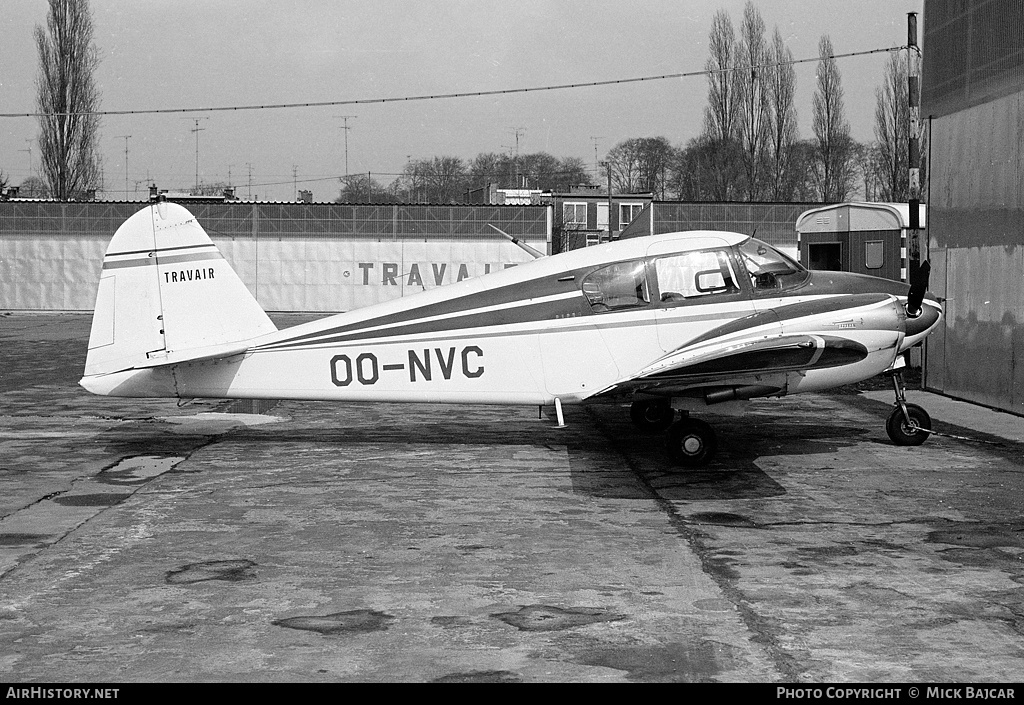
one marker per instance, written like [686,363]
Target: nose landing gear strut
[908,424]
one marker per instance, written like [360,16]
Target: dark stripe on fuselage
[524,313]
[460,312]
[788,312]
[792,356]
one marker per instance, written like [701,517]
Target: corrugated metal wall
[973,83]
[293,257]
[973,53]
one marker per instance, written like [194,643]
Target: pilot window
[769,269]
[692,275]
[617,286]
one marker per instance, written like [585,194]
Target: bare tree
[868,160]
[624,161]
[720,112]
[892,126]
[538,170]
[437,180]
[572,171]
[782,127]
[833,163]
[752,85]
[488,168]
[68,99]
[641,165]
[363,188]
[34,187]
[714,155]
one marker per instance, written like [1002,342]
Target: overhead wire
[448,96]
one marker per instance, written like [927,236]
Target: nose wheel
[908,424]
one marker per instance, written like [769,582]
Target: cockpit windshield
[768,268]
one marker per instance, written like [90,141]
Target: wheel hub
[692,445]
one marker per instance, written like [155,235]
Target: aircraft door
[585,354]
[697,290]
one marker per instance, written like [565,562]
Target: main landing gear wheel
[908,434]
[691,443]
[652,415]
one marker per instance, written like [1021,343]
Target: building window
[602,216]
[874,254]
[628,211]
[593,239]
[574,214]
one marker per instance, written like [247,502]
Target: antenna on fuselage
[519,243]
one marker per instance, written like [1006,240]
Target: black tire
[653,415]
[903,434]
[691,443]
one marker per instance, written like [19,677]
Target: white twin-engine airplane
[672,323]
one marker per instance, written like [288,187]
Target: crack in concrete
[763,629]
[65,511]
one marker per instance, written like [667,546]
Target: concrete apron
[366,543]
[302,542]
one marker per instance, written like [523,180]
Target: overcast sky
[213,53]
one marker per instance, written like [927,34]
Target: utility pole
[608,166]
[515,159]
[126,138]
[30,140]
[247,164]
[914,149]
[295,182]
[597,163]
[346,128]
[196,129]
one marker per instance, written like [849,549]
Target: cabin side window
[692,275]
[618,286]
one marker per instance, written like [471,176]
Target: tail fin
[166,294]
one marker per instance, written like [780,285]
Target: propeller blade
[918,286]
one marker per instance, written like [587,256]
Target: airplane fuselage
[569,327]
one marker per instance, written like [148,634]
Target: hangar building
[972,98]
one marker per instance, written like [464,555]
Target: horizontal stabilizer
[215,352]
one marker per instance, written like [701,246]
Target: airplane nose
[920,325]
